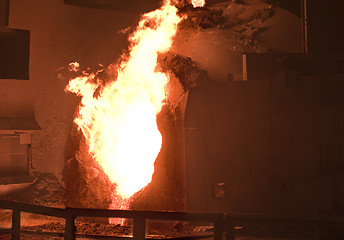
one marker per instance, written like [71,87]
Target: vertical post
[304,18]
[244,67]
[230,228]
[139,228]
[219,227]
[70,228]
[15,224]
[4,14]
[321,232]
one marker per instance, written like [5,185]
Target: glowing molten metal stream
[120,123]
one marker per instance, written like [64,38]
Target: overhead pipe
[304,19]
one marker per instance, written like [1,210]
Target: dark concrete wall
[60,34]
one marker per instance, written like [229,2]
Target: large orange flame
[120,123]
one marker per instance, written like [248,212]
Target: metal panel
[14,54]
[258,66]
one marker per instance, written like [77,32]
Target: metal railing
[139,218]
[224,223]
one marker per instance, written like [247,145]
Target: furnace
[216,106]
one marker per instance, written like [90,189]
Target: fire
[198,3]
[120,123]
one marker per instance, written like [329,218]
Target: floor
[53,228]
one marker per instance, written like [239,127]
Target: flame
[198,3]
[120,123]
